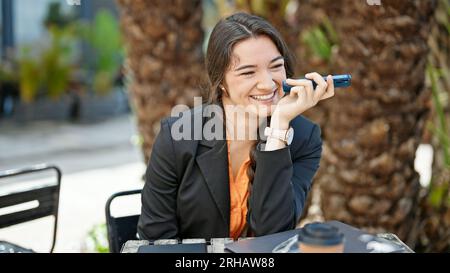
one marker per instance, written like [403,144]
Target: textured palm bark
[372,130]
[276,12]
[164,41]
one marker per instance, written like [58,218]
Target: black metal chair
[120,229]
[46,195]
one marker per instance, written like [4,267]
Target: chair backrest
[46,195]
[120,229]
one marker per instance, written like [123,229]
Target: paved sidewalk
[70,146]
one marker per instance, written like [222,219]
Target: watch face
[290,136]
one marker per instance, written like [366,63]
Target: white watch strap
[276,133]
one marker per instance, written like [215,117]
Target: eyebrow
[252,66]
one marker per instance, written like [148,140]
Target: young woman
[228,186]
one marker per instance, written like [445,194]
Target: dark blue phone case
[338,80]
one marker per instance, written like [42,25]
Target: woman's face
[255,75]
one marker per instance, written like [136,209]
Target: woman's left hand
[301,98]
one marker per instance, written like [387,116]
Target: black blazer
[186,194]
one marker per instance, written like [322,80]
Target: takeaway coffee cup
[320,238]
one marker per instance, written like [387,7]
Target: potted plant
[44,77]
[56,83]
[105,67]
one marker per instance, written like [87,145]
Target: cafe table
[356,241]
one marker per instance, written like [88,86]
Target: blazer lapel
[213,164]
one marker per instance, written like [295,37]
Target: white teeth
[265,97]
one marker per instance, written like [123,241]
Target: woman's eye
[247,73]
[277,66]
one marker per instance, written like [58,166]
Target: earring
[223,89]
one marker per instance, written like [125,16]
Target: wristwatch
[283,135]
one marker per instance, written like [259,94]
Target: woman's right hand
[301,98]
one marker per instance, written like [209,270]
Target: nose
[266,82]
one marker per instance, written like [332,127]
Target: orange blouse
[238,197]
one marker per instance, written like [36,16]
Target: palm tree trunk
[164,41]
[372,130]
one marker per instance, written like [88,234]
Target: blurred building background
[21,21]
[85,127]
[61,56]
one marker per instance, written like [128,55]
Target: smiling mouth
[265,97]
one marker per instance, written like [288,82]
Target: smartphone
[344,80]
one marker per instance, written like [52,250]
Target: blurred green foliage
[29,76]
[7,74]
[96,240]
[320,40]
[53,68]
[105,39]
[440,130]
[438,194]
[55,16]
[261,7]
[438,76]
[47,70]
[58,61]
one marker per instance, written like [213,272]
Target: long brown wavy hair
[227,33]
